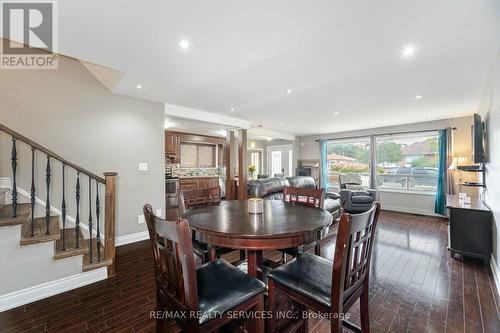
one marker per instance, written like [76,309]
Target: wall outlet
[158,211]
[143,167]
[141,219]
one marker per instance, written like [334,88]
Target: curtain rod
[382,134]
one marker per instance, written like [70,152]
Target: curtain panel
[440,204]
[323,164]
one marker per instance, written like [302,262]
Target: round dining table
[281,225]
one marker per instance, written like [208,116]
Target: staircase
[97,247]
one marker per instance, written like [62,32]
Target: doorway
[280,161]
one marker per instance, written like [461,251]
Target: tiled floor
[415,287]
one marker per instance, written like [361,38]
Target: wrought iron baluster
[32,193]
[77,226]
[47,204]
[97,212]
[90,219]
[63,208]
[14,170]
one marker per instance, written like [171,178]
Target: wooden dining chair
[307,197]
[201,197]
[330,288]
[200,299]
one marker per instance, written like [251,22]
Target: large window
[404,162]
[255,159]
[408,162]
[196,155]
[348,156]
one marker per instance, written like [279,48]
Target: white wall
[308,148]
[70,112]
[490,110]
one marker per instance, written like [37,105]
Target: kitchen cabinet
[198,182]
[172,147]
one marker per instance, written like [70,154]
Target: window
[255,160]
[196,155]
[408,162]
[348,156]
[275,162]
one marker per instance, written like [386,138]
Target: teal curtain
[324,164]
[440,206]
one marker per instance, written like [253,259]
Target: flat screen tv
[478,139]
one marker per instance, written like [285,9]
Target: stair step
[40,228]
[70,240]
[87,266]
[23,215]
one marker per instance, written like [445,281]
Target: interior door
[280,160]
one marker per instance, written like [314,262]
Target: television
[478,140]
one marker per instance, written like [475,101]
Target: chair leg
[317,248]
[160,321]
[271,307]
[283,258]
[242,255]
[365,311]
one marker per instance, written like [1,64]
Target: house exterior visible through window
[197,155]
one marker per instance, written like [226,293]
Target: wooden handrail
[50,153]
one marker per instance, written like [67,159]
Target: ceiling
[335,56]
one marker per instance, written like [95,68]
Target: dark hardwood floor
[415,287]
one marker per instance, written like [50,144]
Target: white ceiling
[336,56]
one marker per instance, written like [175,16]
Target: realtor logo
[29,33]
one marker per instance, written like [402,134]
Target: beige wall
[70,112]
[490,111]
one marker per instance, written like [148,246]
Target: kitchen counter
[200,176]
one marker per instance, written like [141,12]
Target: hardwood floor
[415,287]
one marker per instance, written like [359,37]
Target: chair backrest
[304,196]
[353,250]
[198,197]
[174,264]
[350,179]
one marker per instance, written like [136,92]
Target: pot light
[231,109]
[336,113]
[418,97]
[408,51]
[184,44]
[289,91]
[429,114]
[282,123]
[139,86]
[269,139]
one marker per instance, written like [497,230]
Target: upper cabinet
[172,147]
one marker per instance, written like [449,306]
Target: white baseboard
[495,272]
[132,238]
[44,290]
[409,210]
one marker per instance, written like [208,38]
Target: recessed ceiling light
[184,44]
[408,51]
[282,123]
[336,113]
[139,86]
[429,114]
[269,139]
[231,109]
[418,97]
[289,91]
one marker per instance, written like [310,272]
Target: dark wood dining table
[282,225]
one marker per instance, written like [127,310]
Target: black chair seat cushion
[221,287]
[309,275]
[362,199]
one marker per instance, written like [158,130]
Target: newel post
[109,221]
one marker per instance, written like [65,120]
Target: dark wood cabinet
[172,147]
[198,182]
[469,229]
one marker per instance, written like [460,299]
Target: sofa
[272,189]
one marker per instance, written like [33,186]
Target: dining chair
[306,197]
[200,299]
[331,288]
[200,197]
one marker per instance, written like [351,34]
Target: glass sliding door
[348,156]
